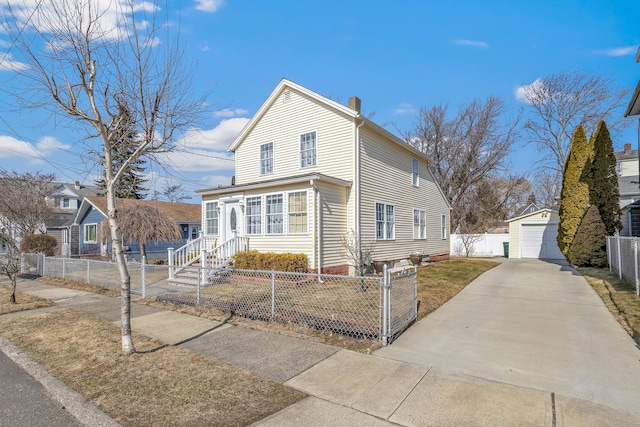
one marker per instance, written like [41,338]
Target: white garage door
[539,241]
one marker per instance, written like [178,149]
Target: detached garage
[534,235]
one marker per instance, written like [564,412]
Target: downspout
[357,185]
[318,228]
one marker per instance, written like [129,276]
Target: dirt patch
[160,385]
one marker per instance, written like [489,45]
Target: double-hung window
[385,221]
[307,149]
[266,158]
[298,212]
[419,224]
[274,214]
[211,217]
[414,172]
[90,233]
[443,225]
[253,216]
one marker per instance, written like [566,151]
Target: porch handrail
[188,254]
[223,254]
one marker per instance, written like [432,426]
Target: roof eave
[633,109]
[276,182]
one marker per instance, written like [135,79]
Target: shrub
[36,243]
[589,248]
[254,260]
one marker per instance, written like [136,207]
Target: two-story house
[310,170]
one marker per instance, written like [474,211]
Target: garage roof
[532,213]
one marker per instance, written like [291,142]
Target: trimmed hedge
[254,260]
[36,243]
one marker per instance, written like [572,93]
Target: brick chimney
[77,185]
[354,103]
[627,148]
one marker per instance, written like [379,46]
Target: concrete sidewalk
[348,388]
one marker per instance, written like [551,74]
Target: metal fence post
[609,251]
[22,255]
[200,274]
[273,294]
[143,264]
[385,304]
[64,265]
[88,271]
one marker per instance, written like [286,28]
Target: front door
[232,220]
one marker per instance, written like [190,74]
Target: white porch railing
[189,253]
[223,254]
[205,251]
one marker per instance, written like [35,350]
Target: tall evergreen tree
[130,185]
[574,197]
[589,248]
[603,180]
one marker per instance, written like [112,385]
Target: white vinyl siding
[253,216]
[308,149]
[419,224]
[274,214]
[266,158]
[386,176]
[297,212]
[283,123]
[211,218]
[415,174]
[90,233]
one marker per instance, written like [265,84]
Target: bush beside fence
[360,307]
[622,255]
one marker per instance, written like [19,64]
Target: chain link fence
[360,307]
[622,254]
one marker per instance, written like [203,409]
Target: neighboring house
[66,199]
[627,167]
[631,220]
[310,170]
[93,210]
[534,235]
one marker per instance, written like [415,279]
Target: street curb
[86,413]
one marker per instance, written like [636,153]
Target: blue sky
[395,56]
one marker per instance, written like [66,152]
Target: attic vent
[286,96]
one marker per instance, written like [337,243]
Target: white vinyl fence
[622,254]
[372,307]
[478,245]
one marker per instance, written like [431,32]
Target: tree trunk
[125,279]
[12,297]
[143,250]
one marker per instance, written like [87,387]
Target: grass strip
[23,301]
[159,385]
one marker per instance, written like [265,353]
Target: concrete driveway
[533,324]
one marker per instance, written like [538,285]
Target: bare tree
[174,193]
[467,149]
[92,61]
[23,211]
[142,223]
[560,102]
[358,252]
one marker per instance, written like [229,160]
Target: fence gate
[400,303]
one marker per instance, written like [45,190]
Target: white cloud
[198,160]
[218,138]
[11,65]
[45,146]
[209,5]
[226,113]
[145,6]
[472,43]
[522,91]
[404,108]
[618,51]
